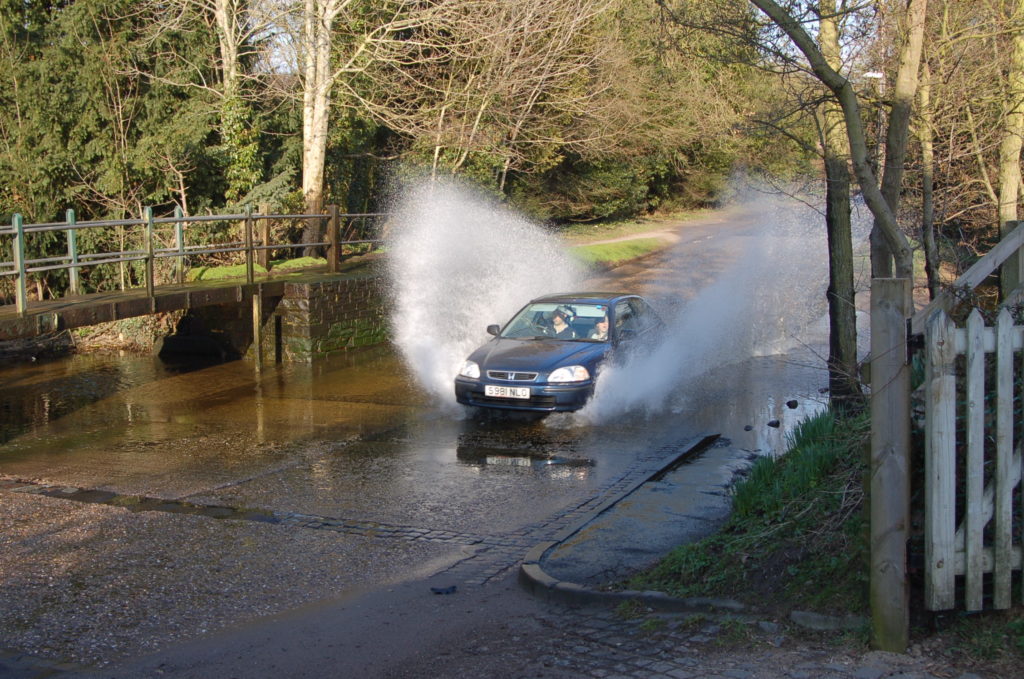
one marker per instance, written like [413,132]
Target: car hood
[542,355]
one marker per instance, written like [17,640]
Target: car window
[536,320]
[644,317]
[625,317]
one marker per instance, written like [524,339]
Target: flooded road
[347,438]
[356,436]
[359,476]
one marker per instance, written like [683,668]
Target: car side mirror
[493,329]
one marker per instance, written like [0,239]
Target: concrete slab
[656,517]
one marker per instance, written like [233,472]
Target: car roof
[582,297]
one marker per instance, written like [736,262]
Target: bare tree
[329,43]
[488,78]
[904,92]
[843,90]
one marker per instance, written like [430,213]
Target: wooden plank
[890,462]
[940,464]
[975,472]
[1003,527]
[973,277]
[988,559]
[988,500]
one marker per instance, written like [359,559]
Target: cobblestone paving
[605,645]
[494,556]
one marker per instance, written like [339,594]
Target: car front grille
[542,402]
[511,376]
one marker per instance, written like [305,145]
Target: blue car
[548,356]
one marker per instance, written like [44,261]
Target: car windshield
[584,322]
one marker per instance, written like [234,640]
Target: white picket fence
[983,536]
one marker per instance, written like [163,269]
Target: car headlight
[570,373]
[470,369]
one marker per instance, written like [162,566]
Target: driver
[560,328]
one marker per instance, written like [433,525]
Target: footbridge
[297,312]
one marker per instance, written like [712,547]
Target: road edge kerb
[539,583]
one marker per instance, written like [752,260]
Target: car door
[626,324]
[645,319]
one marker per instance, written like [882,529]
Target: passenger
[560,328]
[600,331]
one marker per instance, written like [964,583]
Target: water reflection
[110,420]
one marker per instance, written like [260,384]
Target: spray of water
[769,300]
[458,262]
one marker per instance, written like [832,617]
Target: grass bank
[576,234]
[798,540]
[617,252]
[797,527]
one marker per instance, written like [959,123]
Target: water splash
[457,263]
[770,300]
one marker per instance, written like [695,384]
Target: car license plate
[506,392]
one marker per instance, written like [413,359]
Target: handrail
[255,246]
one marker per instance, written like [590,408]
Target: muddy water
[351,437]
[106,420]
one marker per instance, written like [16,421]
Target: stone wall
[316,320]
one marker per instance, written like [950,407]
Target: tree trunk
[898,130]
[844,387]
[925,133]
[226,20]
[316,105]
[1009,158]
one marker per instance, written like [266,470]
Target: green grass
[615,253]
[993,638]
[298,263]
[796,534]
[217,273]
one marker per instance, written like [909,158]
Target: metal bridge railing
[255,244]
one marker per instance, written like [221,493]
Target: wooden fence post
[20,283]
[890,462]
[179,243]
[263,257]
[247,226]
[334,247]
[150,268]
[940,464]
[257,328]
[73,278]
